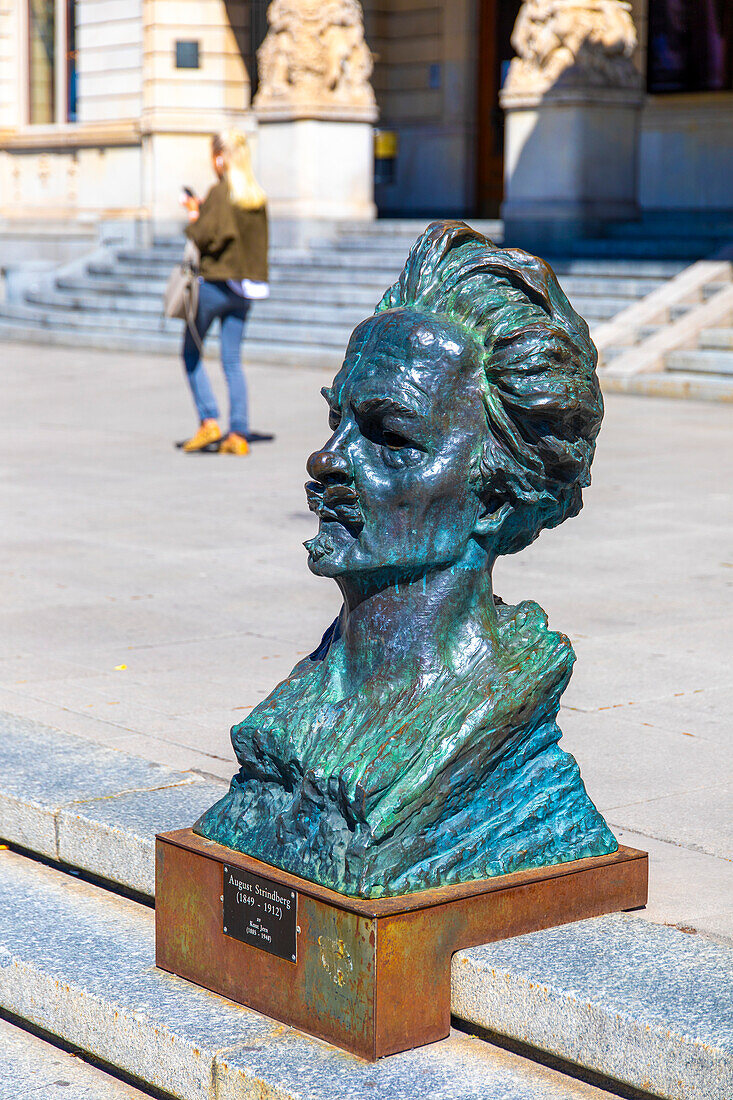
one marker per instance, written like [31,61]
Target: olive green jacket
[232,241]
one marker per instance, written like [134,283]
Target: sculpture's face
[395,485]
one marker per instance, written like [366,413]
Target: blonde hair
[244,190]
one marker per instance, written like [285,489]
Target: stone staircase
[677,341]
[712,356]
[614,1006]
[663,234]
[112,299]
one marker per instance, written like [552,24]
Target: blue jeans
[219,300]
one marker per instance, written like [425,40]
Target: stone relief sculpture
[314,54]
[417,746]
[572,43]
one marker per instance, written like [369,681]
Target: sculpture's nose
[328,467]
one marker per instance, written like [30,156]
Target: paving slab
[645,1004]
[699,819]
[94,808]
[31,1069]
[695,887]
[114,838]
[79,962]
[150,746]
[43,770]
[649,762]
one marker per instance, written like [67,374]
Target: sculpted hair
[543,401]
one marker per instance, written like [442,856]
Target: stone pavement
[150,599]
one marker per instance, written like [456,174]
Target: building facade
[107,106]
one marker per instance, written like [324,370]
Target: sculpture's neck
[419,626]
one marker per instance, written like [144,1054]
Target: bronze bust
[417,746]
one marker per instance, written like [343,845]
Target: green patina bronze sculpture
[418,745]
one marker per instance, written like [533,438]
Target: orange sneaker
[234,445]
[208,433]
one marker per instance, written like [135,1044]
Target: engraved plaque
[260,912]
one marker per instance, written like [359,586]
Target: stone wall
[144,126]
[407,38]
[8,62]
[182,108]
[211,96]
[425,83]
[686,152]
[109,49]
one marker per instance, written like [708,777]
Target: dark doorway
[257,32]
[71,70]
[690,46]
[496,23]
[248,20]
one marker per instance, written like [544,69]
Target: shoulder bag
[181,295]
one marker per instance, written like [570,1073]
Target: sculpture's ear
[490,519]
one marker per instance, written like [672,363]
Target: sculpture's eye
[334,418]
[375,431]
[394,440]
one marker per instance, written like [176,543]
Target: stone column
[572,99]
[315,108]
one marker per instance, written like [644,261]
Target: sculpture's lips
[335,504]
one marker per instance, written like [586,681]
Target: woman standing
[230,230]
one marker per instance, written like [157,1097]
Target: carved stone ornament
[565,44]
[314,57]
[417,745]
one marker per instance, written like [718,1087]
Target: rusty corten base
[372,977]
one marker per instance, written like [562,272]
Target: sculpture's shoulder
[528,642]
[290,703]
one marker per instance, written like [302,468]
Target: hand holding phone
[191,202]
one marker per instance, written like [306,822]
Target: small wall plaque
[260,912]
[187,54]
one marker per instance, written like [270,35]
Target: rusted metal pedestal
[372,977]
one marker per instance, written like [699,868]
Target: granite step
[643,1004]
[265,350]
[718,338]
[658,248]
[616,266]
[317,272]
[674,384]
[31,1067]
[295,311]
[597,308]
[600,285]
[91,807]
[80,963]
[103,279]
[319,293]
[24,330]
[292,331]
[390,227]
[704,361]
[140,265]
[98,292]
[680,310]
